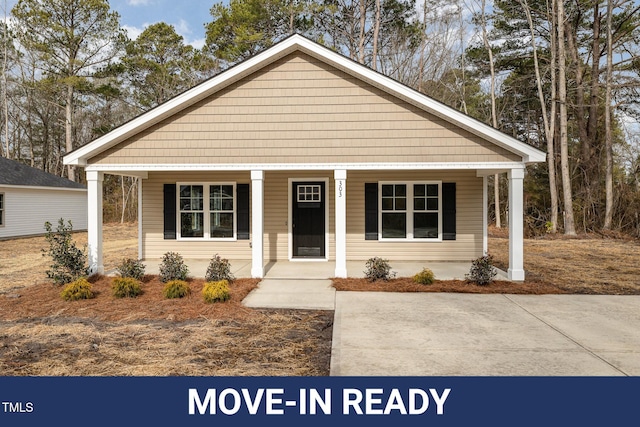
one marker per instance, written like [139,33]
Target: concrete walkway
[394,334]
[309,294]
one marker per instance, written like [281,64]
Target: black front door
[308,215]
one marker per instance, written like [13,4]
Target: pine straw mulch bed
[40,334]
[406,284]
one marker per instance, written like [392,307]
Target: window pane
[394,225]
[418,204]
[221,224]
[432,204]
[401,203]
[191,224]
[387,190]
[401,190]
[432,190]
[425,225]
[419,190]
[191,197]
[387,204]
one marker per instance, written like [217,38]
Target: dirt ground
[40,334]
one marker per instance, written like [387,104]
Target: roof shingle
[16,173]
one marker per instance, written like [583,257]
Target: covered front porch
[326,270]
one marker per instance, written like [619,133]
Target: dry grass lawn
[40,334]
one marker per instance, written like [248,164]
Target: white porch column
[516,231]
[140,237]
[94,225]
[340,177]
[257,224]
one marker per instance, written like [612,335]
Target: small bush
[69,263]
[425,277]
[77,290]
[130,267]
[176,289]
[219,269]
[125,287]
[173,267]
[216,291]
[378,269]
[482,271]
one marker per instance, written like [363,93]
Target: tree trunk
[494,115]
[363,23]
[569,225]
[376,32]
[547,118]
[608,214]
[71,171]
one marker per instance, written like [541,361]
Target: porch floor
[309,270]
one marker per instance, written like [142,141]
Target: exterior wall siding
[27,209]
[467,246]
[300,110]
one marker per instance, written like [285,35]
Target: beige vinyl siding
[300,110]
[469,231]
[153,243]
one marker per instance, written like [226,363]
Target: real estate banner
[321,401]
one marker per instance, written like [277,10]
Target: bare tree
[569,223]
[548,117]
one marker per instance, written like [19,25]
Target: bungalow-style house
[29,197]
[302,154]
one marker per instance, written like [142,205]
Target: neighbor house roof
[14,173]
[285,47]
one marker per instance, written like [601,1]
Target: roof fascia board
[36,187]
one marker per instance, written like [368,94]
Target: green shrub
[68,262]
[77,290]
[130,267]
[378,269]
[216,291]
[176,289]
[219,269]
[125,287]
[173,267]
[482,271]
[425,277]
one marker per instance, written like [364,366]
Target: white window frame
[2,210]
[206,195]
[409,211]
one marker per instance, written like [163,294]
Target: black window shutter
[448,211]
[242,205]
[371,211]
[169,211]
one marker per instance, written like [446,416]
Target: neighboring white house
[29,197]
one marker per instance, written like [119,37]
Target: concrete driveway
[432,334]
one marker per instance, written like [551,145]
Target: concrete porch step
[304,294]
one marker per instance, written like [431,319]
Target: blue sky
[187,16]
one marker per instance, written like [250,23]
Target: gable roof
[287,46]
[17,174]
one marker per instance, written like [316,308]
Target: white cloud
[133,32]
[138,2]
